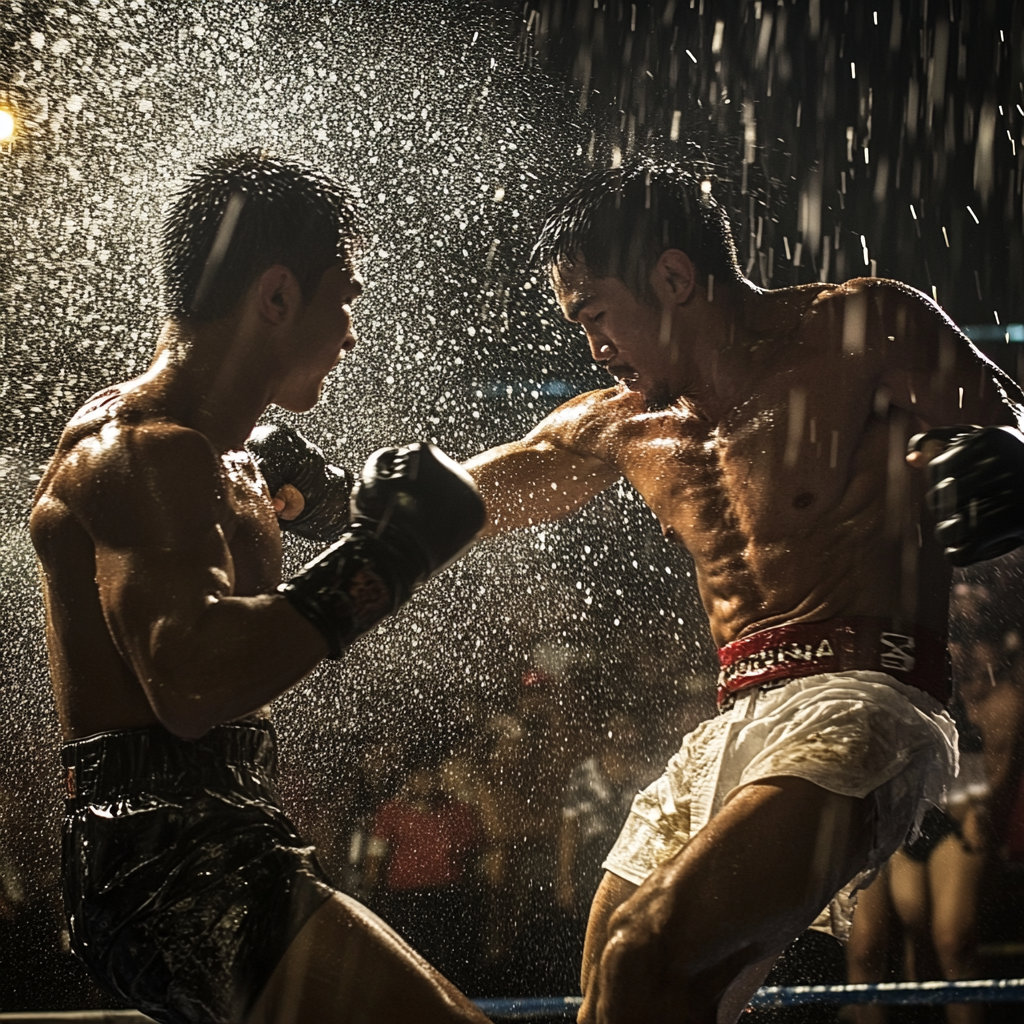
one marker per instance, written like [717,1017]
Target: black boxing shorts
[184,880]
[936,825]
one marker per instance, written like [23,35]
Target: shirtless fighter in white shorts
[768,432]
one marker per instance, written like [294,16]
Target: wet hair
[618,222]
[239,214]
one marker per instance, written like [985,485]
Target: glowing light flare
[6,125]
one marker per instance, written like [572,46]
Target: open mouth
[624,374]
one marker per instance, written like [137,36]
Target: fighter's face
[624,333]
[322,333]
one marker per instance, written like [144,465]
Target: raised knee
[638,982]
[627,952]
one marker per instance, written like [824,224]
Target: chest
[251,530]
[774,465]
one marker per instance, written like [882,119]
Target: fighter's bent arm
[154,506]
[544,476]
[932,370]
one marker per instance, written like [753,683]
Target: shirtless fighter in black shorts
[188,892]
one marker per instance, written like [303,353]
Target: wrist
[348,589]
[397,553]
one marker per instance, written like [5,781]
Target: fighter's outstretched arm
[548,474]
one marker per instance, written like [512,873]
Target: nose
[349,341]
[601,348]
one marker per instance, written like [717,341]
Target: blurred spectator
[419,847]
[529,938]
[595,804]
[377,774]
[928,894]
[932,886]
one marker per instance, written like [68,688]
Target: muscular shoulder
[583,423]
[882,303]
[130,475]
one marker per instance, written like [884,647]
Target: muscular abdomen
[798,540]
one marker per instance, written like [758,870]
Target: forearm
[239,654]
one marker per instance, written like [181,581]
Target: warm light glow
[705,187]
[6,125]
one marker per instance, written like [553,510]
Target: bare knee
[614,972]
[647,975]
[957,951]
[634,986]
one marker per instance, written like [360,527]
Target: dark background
[825,120]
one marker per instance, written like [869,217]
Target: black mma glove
[414,511]
[977,492]
[284,456]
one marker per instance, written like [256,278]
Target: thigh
[910,896]
[347,965]
[867,951]
[956,876]
[744,887]
[611,894]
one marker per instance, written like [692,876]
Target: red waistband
[912,654]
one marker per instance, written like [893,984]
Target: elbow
[183,722]
[180,706]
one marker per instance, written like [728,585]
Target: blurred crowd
[486,860]
[953,892]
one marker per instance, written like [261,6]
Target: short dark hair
[617,222]
[242,212]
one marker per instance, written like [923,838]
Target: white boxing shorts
[856,733]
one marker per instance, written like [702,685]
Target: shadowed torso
[95,687]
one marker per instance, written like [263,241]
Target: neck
[213,378]
[714,363]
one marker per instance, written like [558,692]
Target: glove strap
[348,589]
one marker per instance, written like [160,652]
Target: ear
[278,295]
[674,277]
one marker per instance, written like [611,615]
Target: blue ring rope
[900,993]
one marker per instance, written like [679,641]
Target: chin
[297,403]
[300,396]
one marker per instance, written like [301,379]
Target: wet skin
[158,541]
[778,457]
[160,554]
[767,431]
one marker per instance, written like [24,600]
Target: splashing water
[457,146]
[884,138]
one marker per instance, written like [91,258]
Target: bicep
[549,473]
[153,596]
